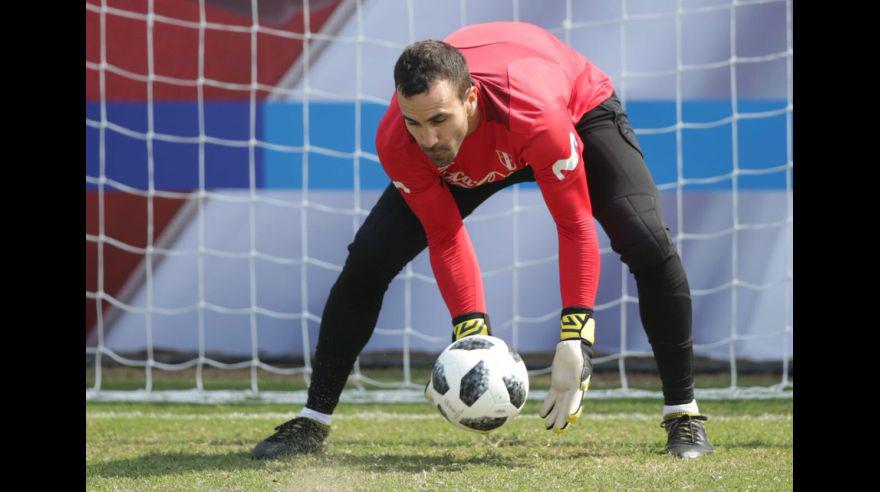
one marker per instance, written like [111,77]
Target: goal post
[231,158]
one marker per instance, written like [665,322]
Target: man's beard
[444,155]
[444,158]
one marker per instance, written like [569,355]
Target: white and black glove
[572,369]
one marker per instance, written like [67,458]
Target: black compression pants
[626,204]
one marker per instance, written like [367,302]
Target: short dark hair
[424,62]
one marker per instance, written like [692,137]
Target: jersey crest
[505,159]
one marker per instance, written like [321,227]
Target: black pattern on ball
[483,423]
[516,390]
[516,357]
[438,379]
[471,343]
[474,384]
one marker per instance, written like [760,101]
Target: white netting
[297,85]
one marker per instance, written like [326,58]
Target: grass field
[133,378]
[617,444]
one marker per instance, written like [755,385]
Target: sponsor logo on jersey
[459,178]
[570,162]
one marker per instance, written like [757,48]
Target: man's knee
[638,233]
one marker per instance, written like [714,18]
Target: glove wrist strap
[470,324]
[577,323]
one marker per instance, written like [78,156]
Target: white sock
[311,414]
[687,407]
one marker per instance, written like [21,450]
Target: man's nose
[429,139]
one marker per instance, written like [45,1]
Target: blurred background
[231,158]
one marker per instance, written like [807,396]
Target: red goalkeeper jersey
[532,89]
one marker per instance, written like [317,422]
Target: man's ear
[471,96]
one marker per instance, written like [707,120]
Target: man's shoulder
[537,102]
[550,138]
[538,82]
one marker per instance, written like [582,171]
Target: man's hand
[572,370]
[469,324]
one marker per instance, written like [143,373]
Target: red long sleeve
[556,156]
[579,259]
[452,254]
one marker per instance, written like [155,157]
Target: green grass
[617,444]
[131,378]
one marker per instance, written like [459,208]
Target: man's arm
[452,255]
[563,183]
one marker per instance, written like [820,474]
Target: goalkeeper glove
[572,369]
[470,324]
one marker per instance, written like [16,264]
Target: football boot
[686,436]
[298,436]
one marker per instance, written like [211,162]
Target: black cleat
[298,436]
[686,435]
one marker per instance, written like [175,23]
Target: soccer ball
[478,383]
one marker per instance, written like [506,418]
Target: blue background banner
[706,152]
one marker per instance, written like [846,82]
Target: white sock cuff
[311,414]
[686,408]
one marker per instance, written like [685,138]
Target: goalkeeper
[493,105]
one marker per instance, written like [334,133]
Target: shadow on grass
[166,464]
[414,463]
[411,457]
[504,453]
[159,464]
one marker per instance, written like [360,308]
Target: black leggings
[625,202]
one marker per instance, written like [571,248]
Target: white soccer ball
[478,383]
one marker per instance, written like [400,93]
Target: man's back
[531,67]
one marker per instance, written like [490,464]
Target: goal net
[231,159]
